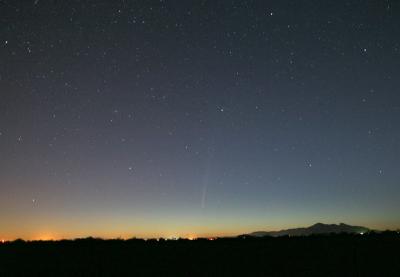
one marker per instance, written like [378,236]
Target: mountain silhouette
[318,228]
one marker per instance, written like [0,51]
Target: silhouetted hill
[315,229]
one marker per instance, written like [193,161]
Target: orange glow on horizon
[45,237]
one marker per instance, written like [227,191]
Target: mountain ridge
[315,229]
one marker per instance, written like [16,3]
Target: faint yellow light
[45,237]
[3,241]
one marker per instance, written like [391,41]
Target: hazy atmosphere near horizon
[197,118]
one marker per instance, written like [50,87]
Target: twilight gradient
[197,118]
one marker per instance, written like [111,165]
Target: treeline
[372,254]
[371,234]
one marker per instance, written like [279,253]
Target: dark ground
[336,255]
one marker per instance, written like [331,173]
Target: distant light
[362,233]
[3,241]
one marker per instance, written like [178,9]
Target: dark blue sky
[189,118]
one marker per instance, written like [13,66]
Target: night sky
[197,118]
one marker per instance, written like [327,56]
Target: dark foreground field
[338,255]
